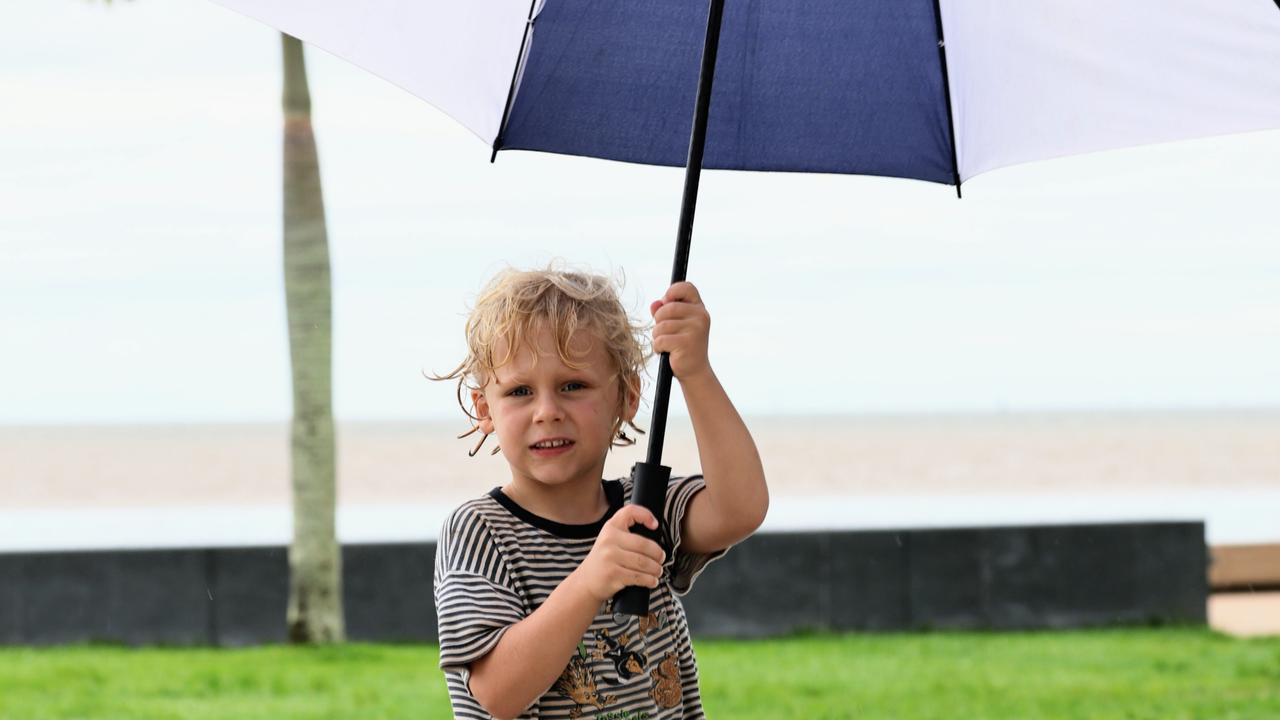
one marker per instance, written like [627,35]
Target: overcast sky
[140,274]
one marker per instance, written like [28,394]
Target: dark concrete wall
[1012,577]
[997,578]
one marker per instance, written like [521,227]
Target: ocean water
[178,485]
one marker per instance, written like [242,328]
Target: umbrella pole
[649,478]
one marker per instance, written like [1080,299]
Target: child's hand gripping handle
[649,489]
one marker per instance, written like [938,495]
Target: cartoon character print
[579,685]
[626,663]
[666,691]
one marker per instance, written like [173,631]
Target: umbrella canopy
[841,86]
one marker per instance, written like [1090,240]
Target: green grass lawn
[1163,674]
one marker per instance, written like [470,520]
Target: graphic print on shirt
[666,682]
[626,663]
[579,685]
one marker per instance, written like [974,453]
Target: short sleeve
[475,598]
[684,566]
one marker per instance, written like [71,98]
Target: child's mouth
[551,447]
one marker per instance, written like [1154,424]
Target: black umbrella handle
[649,479]
[649,488]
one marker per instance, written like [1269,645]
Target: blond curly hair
[514,304]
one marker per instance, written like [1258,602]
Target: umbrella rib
[515,73]
[946,92]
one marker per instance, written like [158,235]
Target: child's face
[554,422]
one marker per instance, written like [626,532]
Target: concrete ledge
[1245,567]
[774,583]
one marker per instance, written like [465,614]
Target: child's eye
[521,391]
[574,385]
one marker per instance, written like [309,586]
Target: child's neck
[578,503]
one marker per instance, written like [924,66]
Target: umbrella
[933,90]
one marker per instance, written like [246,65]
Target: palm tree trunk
[315,562]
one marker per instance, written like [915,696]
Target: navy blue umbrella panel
[863,92]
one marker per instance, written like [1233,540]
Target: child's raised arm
[736,497]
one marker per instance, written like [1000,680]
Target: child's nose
[548,408]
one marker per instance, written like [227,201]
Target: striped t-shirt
[497,562]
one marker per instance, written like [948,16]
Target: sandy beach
[1078,454]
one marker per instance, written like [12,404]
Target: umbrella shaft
[684,233]
[658,421]
[650,478]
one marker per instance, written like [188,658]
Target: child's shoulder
[469,517]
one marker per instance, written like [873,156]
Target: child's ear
[631,403]
[484,419]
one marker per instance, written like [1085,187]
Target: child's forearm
[730,462]
[533,652]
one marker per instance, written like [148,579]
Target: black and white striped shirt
[496,563]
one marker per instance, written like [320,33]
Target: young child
[524,576]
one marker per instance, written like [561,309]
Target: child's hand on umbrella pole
[620,558]
[681,328]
